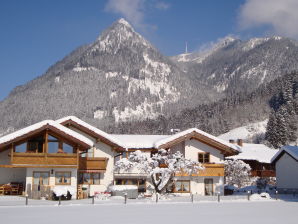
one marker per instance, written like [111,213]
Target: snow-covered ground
[243,212]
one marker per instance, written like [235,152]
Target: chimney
[232,141]
[174,131]
[240,142]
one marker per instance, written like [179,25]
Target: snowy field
[267,211]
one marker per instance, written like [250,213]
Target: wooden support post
[26,200]
[11,153]
[125,198]
[78,156]
[45,149]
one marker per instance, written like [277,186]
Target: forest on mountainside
[282,127]
[222,116]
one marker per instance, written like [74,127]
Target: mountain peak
[120,34]
[124,22]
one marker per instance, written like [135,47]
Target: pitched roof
[257,152]
[41,126]
[194,132]
[291,150]
[93,131]
[139,141]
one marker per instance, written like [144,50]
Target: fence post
[125,198]
[156,197]
[93,200]
[248,195]
[191,197]
[59,200]
[276,195]
[218,197]
[26,199]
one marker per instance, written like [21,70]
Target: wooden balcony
[44,159]
[94,163]
[263,173]
[211,170]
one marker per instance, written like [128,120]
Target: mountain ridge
[121,77]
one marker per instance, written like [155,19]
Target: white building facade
[286,165]
[71,153]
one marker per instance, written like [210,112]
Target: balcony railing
[43,159]
[212,170]
[263,173]
[93,163]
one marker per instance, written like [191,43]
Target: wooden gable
[41,131]
[99,138]
[225,150]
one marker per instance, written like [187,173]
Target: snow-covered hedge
[62,190]
[122,187]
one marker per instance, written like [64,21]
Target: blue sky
[37,33]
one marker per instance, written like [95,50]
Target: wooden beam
[46,148]
[37,166]
[11,153]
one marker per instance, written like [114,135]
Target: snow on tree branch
[161,167]
[237,173]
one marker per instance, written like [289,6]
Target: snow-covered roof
[143,141]
[92,128]
[245,132]
[292,150]
[191,130]
[24,131]
[139,141]
[258,152]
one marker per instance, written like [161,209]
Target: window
[67,148]
[41,178]
[89,178]
[35,145]
[63,178]
[141,183]
[57,146]
[121,156]
[125,155]
[96,178]
[182,186]
[204,157]
[53,144]
[21,147]
[52,138]
[53,147]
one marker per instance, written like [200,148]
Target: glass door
[208,186]
[40,179]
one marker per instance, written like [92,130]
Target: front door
[40,179]
[208,186]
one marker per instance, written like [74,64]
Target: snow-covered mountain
[201,55]
[118,77]
[232,65]
[122,78]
